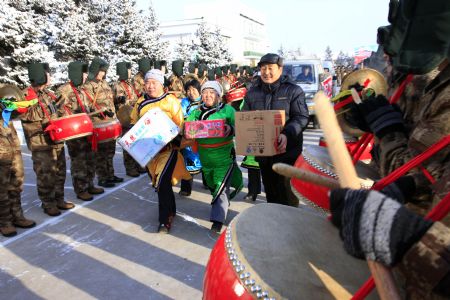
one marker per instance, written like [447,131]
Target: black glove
[402,189]
[374,226]
[381,116]
[109,113]
[121,100]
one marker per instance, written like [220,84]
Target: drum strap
[78,97]
[416,161]
[95,104]
[125,86]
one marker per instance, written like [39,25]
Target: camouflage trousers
[82,164]
[128,161]
[104,160]
[50,168]
[11,181]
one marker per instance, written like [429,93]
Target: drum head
[320,159]
[293,253]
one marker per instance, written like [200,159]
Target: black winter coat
[287,96]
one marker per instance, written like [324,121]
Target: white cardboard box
[149,135]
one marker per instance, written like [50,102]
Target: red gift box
[204,129]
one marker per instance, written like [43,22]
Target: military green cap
[201,69]
[177,67]
[218,71]
[160,63]
[37,73]
[145,65]
[76,70]
[96,66]
[211,74]
[192,66]
[233,68]
[122,70]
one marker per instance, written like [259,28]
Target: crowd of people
[388,226]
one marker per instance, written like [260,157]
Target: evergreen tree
[183,50]
[211,47]
[22,40]
[153,46]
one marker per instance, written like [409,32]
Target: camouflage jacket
[9,143]
[424,270]
[138,83]
[101,95]
[72,100]
[431,125]
[125,88]
[36,119]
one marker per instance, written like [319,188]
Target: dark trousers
[254,181]
[166,198]
[186,185]
[276,186]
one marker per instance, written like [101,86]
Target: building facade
[244,28]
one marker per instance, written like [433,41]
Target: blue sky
[308,24]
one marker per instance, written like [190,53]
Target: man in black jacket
[274,91]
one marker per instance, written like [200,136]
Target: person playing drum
[124,98]
[167,167]
[217,155]
[72,100]
[101,96]
[144,65]
[385,228]
[11,174]
[49,160]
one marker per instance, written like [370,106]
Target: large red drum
[351,143]
[70,127]
[316,159]
[272,251]
[108,130]
[236,95]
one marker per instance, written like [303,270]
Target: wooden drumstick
[348,179]
[290,171]
[96,112]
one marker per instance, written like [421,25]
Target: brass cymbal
[11,91]
[377,81]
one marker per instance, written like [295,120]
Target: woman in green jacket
[217,155]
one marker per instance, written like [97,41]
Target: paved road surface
[108,248]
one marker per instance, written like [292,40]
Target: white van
[305,72]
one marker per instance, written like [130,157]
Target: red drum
[108,130]
[272,251]
[235,95]
[70,127]
[316,159]
[351,143]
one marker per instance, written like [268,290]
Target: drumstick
[290,171]
[348,179]
[96,112]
